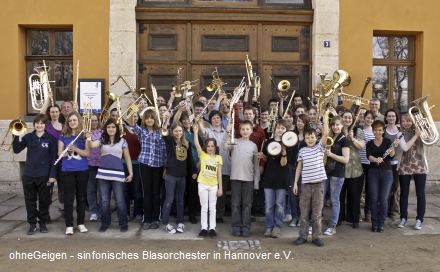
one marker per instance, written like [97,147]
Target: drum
[289,138]
[274,148]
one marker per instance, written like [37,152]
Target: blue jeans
[274,200]
[174,187]
[379,186]
[105,188]
[335,184]
[133,190]
[92,191]
[292,204]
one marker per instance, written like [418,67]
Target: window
[393,71]
[55,47]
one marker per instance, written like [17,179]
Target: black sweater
[40,156]
[175,167]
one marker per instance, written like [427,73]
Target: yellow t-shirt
[208,169]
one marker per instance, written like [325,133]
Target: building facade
[147,41]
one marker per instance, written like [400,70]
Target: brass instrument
[421,117]
[105,113]
[354,99]
[232,134]
[119,121]
[133,107]
[135,92]
[257,87]
[283,86]
[207,104]
[177,87]
[328,145]
[273,118]
[288,105]
[16,127]
[75,91]
[166,121]
[238,92]
[216,83]
[250,73]
[156,106]
[39,87]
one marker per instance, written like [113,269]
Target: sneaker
[69,231]
[154,225]
[103,228]
[139,217]
[123,228]
[203,233]
[330,231]
[276,232]
[245,232]
[212,233]
[32,229]
[310,230]
[82,228]
[180,227]
[318,242]
[299,241]
[380,229]
[93,217]
[294,222]
[146,226]
[268,233]
[402,223]
[170,228]
[287,218]
[418,225]
[236,232]
[43,228]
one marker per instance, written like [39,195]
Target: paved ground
[347,251]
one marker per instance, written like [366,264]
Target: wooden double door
[278,51]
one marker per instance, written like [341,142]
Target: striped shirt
[110,165]
[153,148]
[368,136]
[313,170]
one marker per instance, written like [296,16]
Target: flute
[67,148]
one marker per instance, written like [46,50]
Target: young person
[94,158]
[368,136]
[310,167]
[111,175]
[74,171]
[275,181]
[151,158]
[380,175]
[245,176]
[413,164]
[337,157]
[39,172]
[210,183]
[179,164]
[352,189]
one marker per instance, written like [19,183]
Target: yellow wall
[358,20]
[90,23]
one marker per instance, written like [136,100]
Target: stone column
[122,44]
[325,30]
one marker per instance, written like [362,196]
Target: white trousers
[208,201]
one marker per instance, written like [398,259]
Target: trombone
[16,127]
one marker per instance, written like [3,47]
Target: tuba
[421,117]
[39,87]
[105,113]
[17,127]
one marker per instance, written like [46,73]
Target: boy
[310,167]
[245,176]
[39,172]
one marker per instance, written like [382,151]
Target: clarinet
[391,148]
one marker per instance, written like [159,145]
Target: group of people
[208,153]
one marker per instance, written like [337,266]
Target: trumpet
[133,107]
[420,115]
[250,73]
[216,82]
[39,87]
[17,128]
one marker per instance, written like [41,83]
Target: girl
[210,182]
[368,136]
[392,132]
[94,158]
[413,163]
[151,159]
[337,158]
[74,171]
[179,164]
[275,182]
[380,175]
[39,172]
[111,175]
[354,179]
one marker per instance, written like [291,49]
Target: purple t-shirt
[95,152]
[52,131]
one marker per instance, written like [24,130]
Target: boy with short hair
[245,176]
[310,167]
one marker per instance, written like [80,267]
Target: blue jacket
[40,156]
